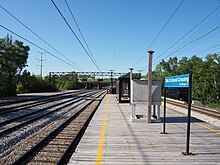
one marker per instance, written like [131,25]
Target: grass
[213,106]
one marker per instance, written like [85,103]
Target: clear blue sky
[118,32]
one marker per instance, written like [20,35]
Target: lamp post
[150,84]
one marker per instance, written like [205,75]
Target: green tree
[65,82]
[13,58]
[212,71]
[23,82]
[206,75]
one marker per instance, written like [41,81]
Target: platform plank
[126,142]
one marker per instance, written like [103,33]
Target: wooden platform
[111,138]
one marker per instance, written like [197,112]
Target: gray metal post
[133,111]
[130,82]
[158,113]
[150,84]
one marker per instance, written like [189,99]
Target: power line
[188,32]
[75,35]
[209,24]
[76,66]
[193,41]
[80,31]
[160,31]
[208,49]
[119,30]
[124,31]
[207,38]
[36,45]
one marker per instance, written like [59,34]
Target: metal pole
[164,113]
[130,83]
[150,84]
[41,63]
[189,114]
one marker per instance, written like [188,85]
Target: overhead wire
[75,35]
[153,41]
[203,40]
[32,43]
[181,38]
[74,19]
[74,64]
[193,41]
[119,30]
[208,49]
[216,28]
[208,25]
[124,31]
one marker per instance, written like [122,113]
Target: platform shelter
[139,97]
[123,87]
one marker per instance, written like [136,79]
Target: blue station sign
[181,81]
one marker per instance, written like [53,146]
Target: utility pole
[111,79]
[150,84]
[41,63]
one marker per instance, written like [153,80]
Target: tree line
[205,75]
[14,79]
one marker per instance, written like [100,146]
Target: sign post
[180,81]
[189,116]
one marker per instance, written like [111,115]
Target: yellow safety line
[102,135]
[199,124]
[210,129]
[174,113]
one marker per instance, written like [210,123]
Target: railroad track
[62,134]
[7,107]
[19,100]
[22,120]
[28,112]
[205,111]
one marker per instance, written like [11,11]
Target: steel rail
[11,129]
[72,146]
[45,100]
[26,157]
[40,110]
[205,111]
[14,128]
[5,103]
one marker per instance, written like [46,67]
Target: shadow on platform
[181,120]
